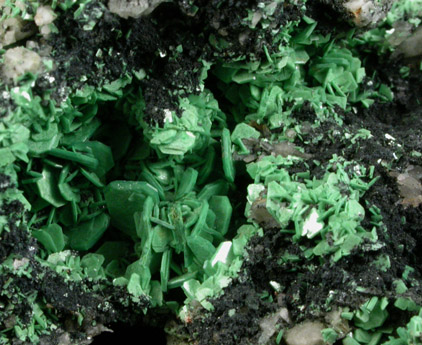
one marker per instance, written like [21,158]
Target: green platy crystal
[124,199]
[86,234]
[51,237]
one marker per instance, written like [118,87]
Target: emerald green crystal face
[241,171]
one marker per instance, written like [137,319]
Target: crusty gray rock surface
[133,8]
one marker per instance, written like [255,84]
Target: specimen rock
[222,164]
[409,184]
[412,46]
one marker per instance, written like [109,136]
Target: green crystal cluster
[97,195]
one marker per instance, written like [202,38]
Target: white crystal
[133,8]
[18,61]
[311,226]
[44,16]
[222,253]
[307,333]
